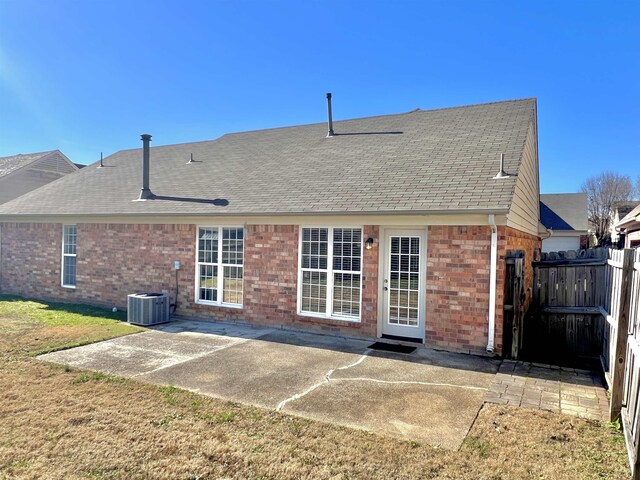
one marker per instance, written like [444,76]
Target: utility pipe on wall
[493,271]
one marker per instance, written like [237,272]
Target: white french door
[403,283]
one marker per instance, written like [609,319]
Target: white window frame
[221,267]
[64,255]
[328,314]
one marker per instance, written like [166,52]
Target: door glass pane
[404,280]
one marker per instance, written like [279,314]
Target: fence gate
[565,324]
[514,298]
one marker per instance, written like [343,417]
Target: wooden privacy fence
[588,303]
[565,322]
[621,346]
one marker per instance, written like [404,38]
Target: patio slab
[427,396]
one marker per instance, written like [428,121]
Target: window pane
[314,292]
[347,249]
[232,285]
[69,239]
[344,268]
[232,246]
[208,245]
[69,271]
[208,283]
[315,248]
[346,294]
[69,255]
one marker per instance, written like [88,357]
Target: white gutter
[492,282]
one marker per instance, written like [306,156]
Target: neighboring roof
[624,208]
[564,211]
[23,173]
[14,162]
[421,161]
[631,219]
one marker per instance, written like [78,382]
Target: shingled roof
[421,161]
[564,211]
[14,162]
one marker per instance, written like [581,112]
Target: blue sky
[90,76]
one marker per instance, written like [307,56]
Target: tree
[604,191]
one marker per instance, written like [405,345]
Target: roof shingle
[421,161]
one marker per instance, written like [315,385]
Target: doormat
[391,347]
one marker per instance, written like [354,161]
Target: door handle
[386,288]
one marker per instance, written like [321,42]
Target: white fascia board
[311,220]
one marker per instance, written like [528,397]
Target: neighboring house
[564,215]
[22,173]
[628,228]
[396,226]
[620,211]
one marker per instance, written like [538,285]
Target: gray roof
[15,162]
[420,161]
[564,211]
[631,216]
[624,208]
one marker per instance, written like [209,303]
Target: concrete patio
[426,396]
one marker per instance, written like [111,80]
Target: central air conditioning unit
[147,308]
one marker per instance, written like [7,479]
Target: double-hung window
[220,265]
[330,277]
[68,256]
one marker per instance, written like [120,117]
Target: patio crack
[409,382]
[326,380]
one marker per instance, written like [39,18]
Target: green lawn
[30,327]
[59,422]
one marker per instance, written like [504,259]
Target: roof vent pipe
[101,164]
[145,193]
[330,133]
[502,173]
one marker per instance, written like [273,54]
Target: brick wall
[458,268]
[458,286]
[112,261]
[115,260]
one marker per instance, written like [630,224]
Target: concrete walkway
[548,387]
[427,396]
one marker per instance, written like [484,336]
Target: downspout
[493,273]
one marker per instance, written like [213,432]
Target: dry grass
[60,423]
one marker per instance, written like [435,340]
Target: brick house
[393,226]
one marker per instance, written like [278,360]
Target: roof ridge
[46,152]
[415,110]
[477,104]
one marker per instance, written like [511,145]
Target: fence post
[617,369]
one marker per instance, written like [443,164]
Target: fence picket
[595,297]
